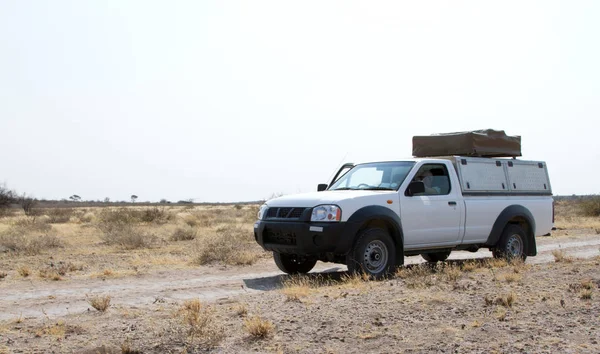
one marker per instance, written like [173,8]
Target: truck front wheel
[373,254]
[292,264]
[511,244]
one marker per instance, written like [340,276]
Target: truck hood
[309,200]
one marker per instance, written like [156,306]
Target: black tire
[292,264]
[373,254]
[512,243]
[436,256]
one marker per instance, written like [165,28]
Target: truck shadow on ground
[337,274]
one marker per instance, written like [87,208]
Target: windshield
[374,176]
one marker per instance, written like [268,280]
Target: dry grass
[100,303]
[126,235]
[585,294]
[3,275]
[184,234]
[561,257]
[507,300]
[510,278]
[201,324]
[57,215]
[23,237]
[241,310]
[24,271]
[230,244]
[258,327]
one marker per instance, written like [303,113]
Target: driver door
[433,217]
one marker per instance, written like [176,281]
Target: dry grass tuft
[258,327]
[561,257]
[470,266]
[501,314]
[510,277]
[184,234]
[201,323]
[585,294]
[496,263]
[3,275]
[507,300]
[230,245]
[241,310]
[100,303]
[24,271]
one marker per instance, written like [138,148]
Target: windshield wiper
[344,189]
[378,188]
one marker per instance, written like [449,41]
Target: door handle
[452,203]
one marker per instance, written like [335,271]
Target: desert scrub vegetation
[426,275]
[201,324]
[258,327]
[184,234]
[590,206]
[24,237]
[230,244]
[57,215]
[126,236]
[561,257]
[100,303]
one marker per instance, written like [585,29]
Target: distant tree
[7,197]
[134,198]
[75,198]
[163,201]
[27,203]
[107,200]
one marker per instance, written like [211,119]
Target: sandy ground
[387,316]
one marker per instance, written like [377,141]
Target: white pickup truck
[374,214]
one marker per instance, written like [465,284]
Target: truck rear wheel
[511,244]
[373,254]
[436,256]
[292,264]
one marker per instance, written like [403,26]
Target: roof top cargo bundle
[477,143]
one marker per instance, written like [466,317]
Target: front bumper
[302,238]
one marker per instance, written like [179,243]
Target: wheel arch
[379,217]
[514,215]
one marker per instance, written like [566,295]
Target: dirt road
[38,298]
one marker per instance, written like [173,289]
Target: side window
[435,178]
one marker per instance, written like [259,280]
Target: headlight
[326,213]
[261,211]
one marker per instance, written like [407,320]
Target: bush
[230,245]
[131,215]
[7,197]
[14,240]
[100,303]
[201,323]
[184,234]
[58,215]
[126,236]
[590,206]
[258,327]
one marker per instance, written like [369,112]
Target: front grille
[285,213]
[279,237]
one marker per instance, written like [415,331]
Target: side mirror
[321,187]
[415,188]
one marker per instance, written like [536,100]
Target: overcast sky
[234,101]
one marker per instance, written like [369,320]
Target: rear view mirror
[321,187]
[415,188]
